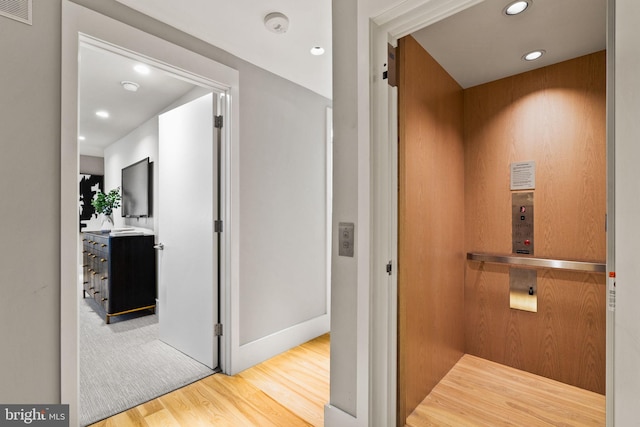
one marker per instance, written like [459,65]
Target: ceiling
[475,46]
[481,44]
[237,26]
[100,76]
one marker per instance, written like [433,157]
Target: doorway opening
[394,27]
[166,124]
[460,315]
[194,78]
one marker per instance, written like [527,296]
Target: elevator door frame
[386,29]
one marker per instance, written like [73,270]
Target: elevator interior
[459,150]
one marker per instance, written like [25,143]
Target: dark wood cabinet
[119,272]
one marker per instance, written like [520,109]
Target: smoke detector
[130,86]
[276,22]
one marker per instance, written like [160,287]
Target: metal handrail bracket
[590,267]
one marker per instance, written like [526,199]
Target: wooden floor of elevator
[477,392]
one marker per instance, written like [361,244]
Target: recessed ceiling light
[81,138]
[532,56]
[516,7]
[103,114]
[317,50]
[130,86]
[142,69]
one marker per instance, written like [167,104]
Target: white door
[187,209]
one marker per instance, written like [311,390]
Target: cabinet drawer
[103,297]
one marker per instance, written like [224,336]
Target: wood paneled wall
[555,116]
[431,225]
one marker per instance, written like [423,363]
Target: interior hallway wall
[626,15]
[30,170]
[346,342]
[30,211]
[555,116]
[431,225]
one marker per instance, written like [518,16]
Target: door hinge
[217,121]
[389,268]
[217,330]
[217,226]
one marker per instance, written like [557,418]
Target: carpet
[124,364]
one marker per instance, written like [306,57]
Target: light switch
[346,239]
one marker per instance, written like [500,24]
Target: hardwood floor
[289,390]
[298,379]
[477,392]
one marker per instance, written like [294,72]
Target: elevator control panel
[522,223]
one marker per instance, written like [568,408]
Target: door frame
[386,29]
[82,25]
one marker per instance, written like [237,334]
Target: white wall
[627,206]
[350,287]
[344,272]
[283,207]
[30,207]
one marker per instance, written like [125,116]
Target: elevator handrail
[591,267]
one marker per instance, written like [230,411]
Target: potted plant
[105,204]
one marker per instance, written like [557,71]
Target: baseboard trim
[336,417]
[252,353]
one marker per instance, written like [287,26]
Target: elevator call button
[346,238]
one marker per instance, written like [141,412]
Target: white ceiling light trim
[276,22]
[103,114]
[516,7]
[317,50]
[533,55]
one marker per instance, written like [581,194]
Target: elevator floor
[477,392]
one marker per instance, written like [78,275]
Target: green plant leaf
[106,203]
